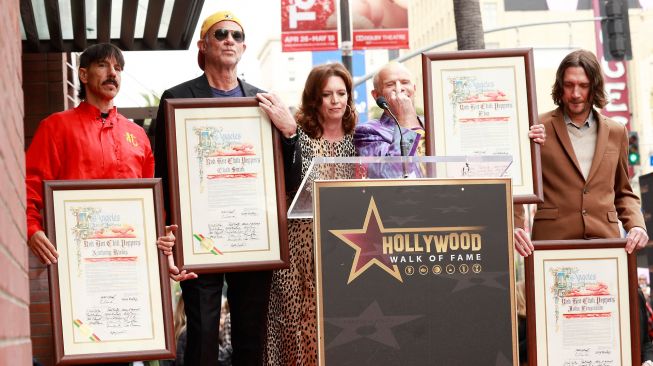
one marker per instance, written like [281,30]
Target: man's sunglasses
[221,34]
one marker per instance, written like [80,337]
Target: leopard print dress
[292,321]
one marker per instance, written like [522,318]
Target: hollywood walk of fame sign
[415,272]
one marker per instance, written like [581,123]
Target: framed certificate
[483,103]
[226,185]
[109,291]
[582,303]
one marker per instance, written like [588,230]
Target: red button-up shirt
[80,144]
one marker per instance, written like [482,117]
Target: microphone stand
[401,141]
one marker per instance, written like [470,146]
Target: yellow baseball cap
[209,22]
[216,18]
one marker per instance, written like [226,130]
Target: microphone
[383,104]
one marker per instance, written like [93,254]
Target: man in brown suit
[584,165]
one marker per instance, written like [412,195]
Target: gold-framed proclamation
[109,290]
[227,189]
[483,102]
[582,303]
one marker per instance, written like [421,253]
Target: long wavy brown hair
[589,63]
[307,116]
[179,318]
[520,297]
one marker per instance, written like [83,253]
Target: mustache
[111,81]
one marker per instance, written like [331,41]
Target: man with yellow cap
[221,45]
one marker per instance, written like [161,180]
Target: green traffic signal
[633,148]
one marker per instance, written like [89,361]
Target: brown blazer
[574,208]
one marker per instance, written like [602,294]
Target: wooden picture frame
[594,281]
[229,201]
[109,291]
[483,102]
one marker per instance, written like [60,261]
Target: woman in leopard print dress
[326,121]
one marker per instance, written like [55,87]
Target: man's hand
[537,133]
[167,242]
[523,243]
[278,112]
[43,248]
[402,107]
[637,239]
[174,273]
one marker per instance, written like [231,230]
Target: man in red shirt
[91,141]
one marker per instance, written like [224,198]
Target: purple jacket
[380,137]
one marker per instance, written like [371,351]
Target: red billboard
[379,24]
[309,25]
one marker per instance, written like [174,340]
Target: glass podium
[394,167]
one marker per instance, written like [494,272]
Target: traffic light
[633,148]
[615,29]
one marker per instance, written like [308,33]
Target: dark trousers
[248,294]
